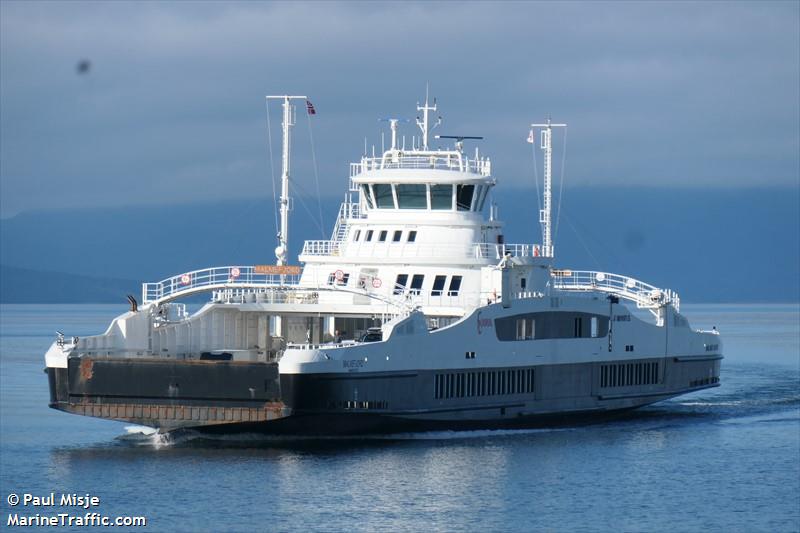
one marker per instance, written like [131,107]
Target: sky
[172,110]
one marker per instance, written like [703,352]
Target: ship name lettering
[483,323]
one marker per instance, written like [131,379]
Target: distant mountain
[22,285]
[710,245]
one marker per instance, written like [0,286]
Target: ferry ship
[416,314]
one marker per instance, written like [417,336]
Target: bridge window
[368,238]
[367,196]
[464,197]
[397,235]
[483,191]
[357,235]
[416,283]
[455,286]
[412,236]
[438,285]
[442,197]
[400,284]
[382,236]
[383,196]
[412,196]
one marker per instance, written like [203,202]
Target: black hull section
[251,397]
[355,424]
[168,394]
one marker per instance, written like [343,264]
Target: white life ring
[186,279]
[376,283]
[235,272]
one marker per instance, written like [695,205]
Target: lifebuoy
[186,279]
[376,283]
[235,272]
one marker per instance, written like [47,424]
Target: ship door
[366,278]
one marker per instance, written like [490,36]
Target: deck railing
[645,296]
[444,160]
[216,277]
[377,249]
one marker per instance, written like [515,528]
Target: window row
[551,325]
[383,235]
[629,374]
[425,196]
[487,383]
[401,284]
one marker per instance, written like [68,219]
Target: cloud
[660,93]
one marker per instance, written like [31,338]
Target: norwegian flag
[310,108]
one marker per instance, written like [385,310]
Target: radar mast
[282,251]
[545,214]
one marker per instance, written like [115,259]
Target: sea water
[724,459]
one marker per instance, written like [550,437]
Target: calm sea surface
[727,459]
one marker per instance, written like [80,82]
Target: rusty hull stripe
[193,415]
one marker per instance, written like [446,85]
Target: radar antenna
[459,139]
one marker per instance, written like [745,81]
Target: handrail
[477,250]
[431,160]
[645,296]
[347,211]
[231,278]
[207,279]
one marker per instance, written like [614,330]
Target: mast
[545,214]
[424,124]
[282,251]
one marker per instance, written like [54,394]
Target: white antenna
[393,122]
[545,214]
[282,250]
[393,126]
